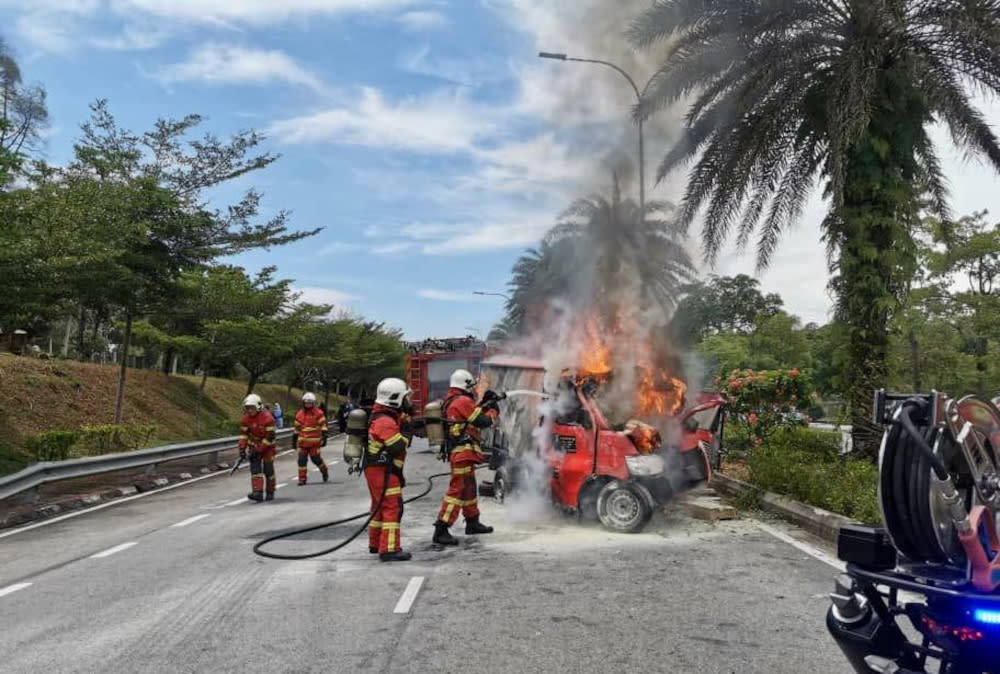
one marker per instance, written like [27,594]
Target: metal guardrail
[45,472]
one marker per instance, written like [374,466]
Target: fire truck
[429,364]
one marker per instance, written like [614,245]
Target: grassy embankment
[40,395]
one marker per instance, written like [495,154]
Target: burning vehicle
[562,441]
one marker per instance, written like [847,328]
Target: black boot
[474,527]
[372,550]
[270,497]
[326,475]
[442,536]
[255,496]
[398,556]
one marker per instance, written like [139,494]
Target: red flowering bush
[763,401]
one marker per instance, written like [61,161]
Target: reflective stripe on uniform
[393,491]
[398,463]
[475,415]
[451,500]
[461,471]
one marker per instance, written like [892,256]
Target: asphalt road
[167,582]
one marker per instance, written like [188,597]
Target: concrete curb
[822,523]
[35,513]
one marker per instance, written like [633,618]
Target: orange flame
[658,393]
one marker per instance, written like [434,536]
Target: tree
[263,344]
[603,248]
[172,230]
[627,247]
[723,304]
[23,117]
[785,90]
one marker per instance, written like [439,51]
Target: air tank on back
[357,439]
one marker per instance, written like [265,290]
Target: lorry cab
[619,474]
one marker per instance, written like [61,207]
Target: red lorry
[429,365]
[618,474]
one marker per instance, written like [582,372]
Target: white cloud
[255,12]
[231,64]
[335,247]
[418,21]
[441,122]
[314,295]
[447,295]
[132,38]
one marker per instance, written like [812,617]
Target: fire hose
[316,527]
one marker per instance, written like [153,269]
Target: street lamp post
[479,292]
[638,96]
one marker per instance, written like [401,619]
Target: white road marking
[409,595]
[11,589]
[237,501]
[77,513]
[184,523]
[283,484]
[111,551]
[804,547]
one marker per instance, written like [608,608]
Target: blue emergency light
[986,616]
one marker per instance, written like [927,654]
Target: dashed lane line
[111,551]
[409,595]
[11,589]
[190,520]
[237,501]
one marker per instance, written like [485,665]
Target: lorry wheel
[501,485]
[622,508]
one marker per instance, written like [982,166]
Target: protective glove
[402,480]
[295,441]
[243,453]
[490,396]
[490,405]
[325,436]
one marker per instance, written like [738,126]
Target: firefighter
[463,421]
[308,436]
[257,435]
[384,469]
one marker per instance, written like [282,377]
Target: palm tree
[627,248]
[785,90]
[602,248]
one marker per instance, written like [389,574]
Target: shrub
[759,401]
[97,440]
[803,464]
[51,445]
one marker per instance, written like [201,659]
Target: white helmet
[391,392]
[463,379]
[308,399]
[253,400]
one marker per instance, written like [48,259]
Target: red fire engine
[429,365]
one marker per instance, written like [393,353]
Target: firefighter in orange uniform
[257,429]
[463,421]
[308,436]
[384,469]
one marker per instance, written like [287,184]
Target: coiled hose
[316,527]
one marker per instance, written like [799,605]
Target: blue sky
[424,136]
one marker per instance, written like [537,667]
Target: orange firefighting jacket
[310,425]
[257,431]
[385,441]
[465,419]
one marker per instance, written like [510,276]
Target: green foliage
[760,401]
[51,445]
[723,305]
[842,90]
[592,252]
[108,439]
[803,465]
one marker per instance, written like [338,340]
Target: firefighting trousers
[462,494]
[261,467]
[383,530]
[306,453]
